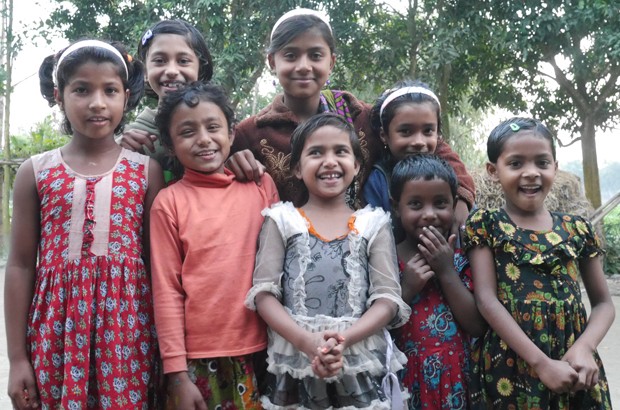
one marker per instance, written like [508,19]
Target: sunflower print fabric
[537,282]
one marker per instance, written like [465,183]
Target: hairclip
[88,43]
[514,127]
[301,12]
[146,37]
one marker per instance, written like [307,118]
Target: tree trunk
[590,162]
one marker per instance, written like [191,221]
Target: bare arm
[580,355]
[557,375]
[278,319]
[439,254]
[19,285]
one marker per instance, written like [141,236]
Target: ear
[231,135]
[333,62]
[357,167]
[271,61]
[492,171]
[382,136]
[297,172]
[58,97]
[394,207]
[127,94]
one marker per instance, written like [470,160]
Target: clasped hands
[325,352]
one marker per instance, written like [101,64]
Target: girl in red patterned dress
[78,297]
[436,282]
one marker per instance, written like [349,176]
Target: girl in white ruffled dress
[326,283]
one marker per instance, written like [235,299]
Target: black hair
[132,81]
[294,26]
[306,129]
[191,95]
[195,40]
[380,121]
[424,167]
[512,126]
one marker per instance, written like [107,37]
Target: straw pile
[566,195]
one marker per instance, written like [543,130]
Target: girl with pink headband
[79,318]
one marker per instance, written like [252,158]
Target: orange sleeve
[168,294]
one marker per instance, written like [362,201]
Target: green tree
[377,44]
[559,58]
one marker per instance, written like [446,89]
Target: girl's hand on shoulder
[557,375]
[183,393]
[416,273]
[437,251]
[245,166]
[22,386]
[137,140]
[581,359]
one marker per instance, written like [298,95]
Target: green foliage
[42,137]
[612,242]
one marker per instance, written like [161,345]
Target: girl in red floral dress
[78,297]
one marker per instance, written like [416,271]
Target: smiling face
[423,204]
[170,63]
[413,130]
[93,100]
[200,137]
[526,170]
[303,65]
[327,164]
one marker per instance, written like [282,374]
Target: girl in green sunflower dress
[540,349]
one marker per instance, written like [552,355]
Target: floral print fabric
[537,282]
[90,330]
[436,347]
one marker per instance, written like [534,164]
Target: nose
[417,142]
[303,63]
[531,170]
[330,160]
[203,138]
[172,70]
[97,100]
[428,213]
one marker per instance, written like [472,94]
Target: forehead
[96,72]
[328,135]
[424,111]
[527,143]
[426,188]
[170,44]
[202,111]
[311,38]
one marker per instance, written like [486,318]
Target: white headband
[88,43]
[301,12]
[404,91]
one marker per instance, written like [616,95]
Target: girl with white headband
[302,55]
[80,325]
[407,119]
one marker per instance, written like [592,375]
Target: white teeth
[327,176]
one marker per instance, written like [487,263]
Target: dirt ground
[614,286]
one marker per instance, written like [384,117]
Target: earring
[328,82]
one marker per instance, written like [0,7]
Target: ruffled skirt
[292,383]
